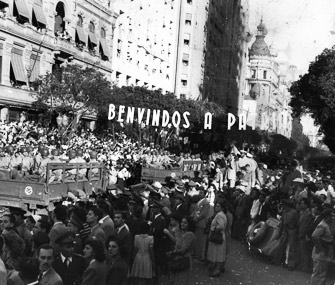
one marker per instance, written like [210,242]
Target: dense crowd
[134,233]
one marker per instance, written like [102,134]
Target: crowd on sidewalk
[135,233]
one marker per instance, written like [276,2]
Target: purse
[216,236]
[179,263]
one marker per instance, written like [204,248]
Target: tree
[314,94]
[71,90]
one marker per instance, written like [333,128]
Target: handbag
[216,236]
[179,263]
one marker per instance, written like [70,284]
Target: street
[244,267]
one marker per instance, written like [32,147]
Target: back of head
[29,269]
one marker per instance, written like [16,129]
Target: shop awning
[104,47]
[18,68]
[35,67]
[39,14]
[81,34]
[22,8]
[93,39]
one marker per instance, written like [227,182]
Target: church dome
[255,91]
[260,47]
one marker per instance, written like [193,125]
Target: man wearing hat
[161,240]
[179,205]
[322,239]
[67,264]
[200,216]
[294,173]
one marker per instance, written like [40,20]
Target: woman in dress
[217,252]
[95,273]
[117,267]
[174,232]
[142,270]
[184,247]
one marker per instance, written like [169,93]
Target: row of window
[253,74]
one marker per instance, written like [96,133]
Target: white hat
[249,155]
[265,166]
[157,184]
[321,192]
[242,151]
[240,187]
[298,180]
[257,187]
[244,183]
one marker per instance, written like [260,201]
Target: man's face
[68,249]
[90,218]
[118,220]
[6,223]
[202,194]
[37,228]
[46,259]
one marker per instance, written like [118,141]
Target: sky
[308,26]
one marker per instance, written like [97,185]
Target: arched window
[91,27]
[59,18]
[80,21]
[103,33]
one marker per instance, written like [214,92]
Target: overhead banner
[164,119]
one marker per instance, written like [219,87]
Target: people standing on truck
[4,163]
[56,174]
[41,167]
[27,162]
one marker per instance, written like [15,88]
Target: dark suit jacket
[125,237]
[203,209]
[305,220]
[108,227]
[51,278]
[181,210]
[72,274]
[14,278]
[117,273]
[95,274]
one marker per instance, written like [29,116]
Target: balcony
[15,96]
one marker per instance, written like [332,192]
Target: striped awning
[81,34]
[18,68]
[2,2]
[22,8]
[104,47]
[39,14]
[93,39]
[35,67]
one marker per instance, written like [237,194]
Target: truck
[33,195]
[189,167]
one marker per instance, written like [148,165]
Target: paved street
[244,267]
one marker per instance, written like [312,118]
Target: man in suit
[200,216]
[67,264]
[93,217]
[305,244]
[179,205]
[121,231]
[106,222]
[48,276]
[158,224]
[59,216]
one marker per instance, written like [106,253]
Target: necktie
[66,262]
[40,277]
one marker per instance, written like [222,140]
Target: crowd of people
[135,233]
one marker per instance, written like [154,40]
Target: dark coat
[72,274]
[95,274]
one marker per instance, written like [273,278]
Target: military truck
[32,195]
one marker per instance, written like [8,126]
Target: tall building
[269,76]
[36,36]
[226,53]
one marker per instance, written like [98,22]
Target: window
[21,12]
[38,18]
[91,27]
[185,59]
[187,39]
[137,81]
[59,18]
[188,19]
[184,82]
[103,33]
[127,79]
[264,74]
[253,73]
[80,21]
[189,1]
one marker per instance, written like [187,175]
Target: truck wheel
[258,232]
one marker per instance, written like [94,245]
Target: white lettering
[174,122]
[231,120]
[140,114]
[187,123]
[242,122]
[148,117]
[155,117]
[208,121]
[111,112]
[121,111]
[130,115]
[165,118]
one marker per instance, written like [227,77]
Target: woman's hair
[14,243]
[144,228]
[98,248]
[190,222]
[123,251]
[223,205]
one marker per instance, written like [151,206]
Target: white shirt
[63,258]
